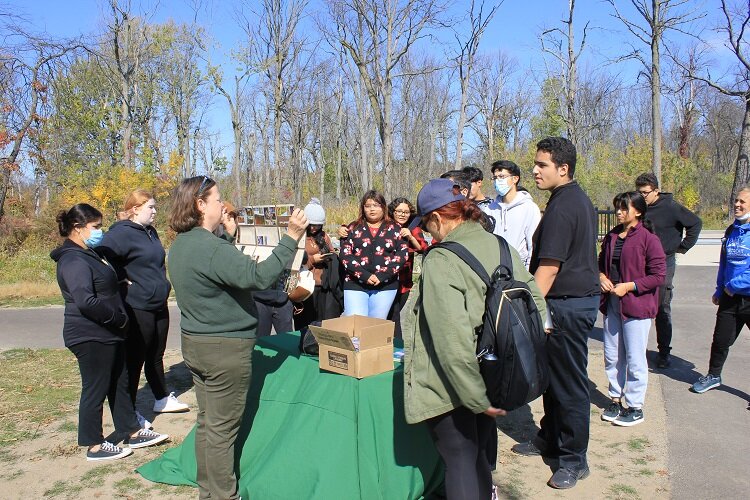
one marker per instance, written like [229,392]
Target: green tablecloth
[313,434]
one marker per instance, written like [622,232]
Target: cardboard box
[338,353]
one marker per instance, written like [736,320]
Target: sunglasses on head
[206,182]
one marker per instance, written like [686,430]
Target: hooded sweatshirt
[734,265]
[516,222]
[670,219]
[93,308]
[138,256]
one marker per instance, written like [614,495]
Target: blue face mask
[502,187]
[95,238]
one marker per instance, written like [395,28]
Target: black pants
[395,313]
[565,425]
[280,317]
[733,314]
[664,316]
[462,438]
[103,375]
[146,342]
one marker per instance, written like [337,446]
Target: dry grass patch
[29,294]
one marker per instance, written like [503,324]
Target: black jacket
[670,219]
[93,307]
[138,256]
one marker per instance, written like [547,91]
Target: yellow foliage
[108,192]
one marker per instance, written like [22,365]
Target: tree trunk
[461,120]
[655,94]
[572,82]
[742,172]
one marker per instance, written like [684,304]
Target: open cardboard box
[338,354]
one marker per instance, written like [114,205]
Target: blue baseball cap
[433,195]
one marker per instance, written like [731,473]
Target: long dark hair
[634,199]
[377,198]
[78,216]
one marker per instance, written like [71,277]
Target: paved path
[708,434]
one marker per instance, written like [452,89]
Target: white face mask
[743,217]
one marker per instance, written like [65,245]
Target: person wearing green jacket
[214,283]
[442,383]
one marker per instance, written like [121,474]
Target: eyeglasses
[503,176]
[206,182]
[401,212]
[646,193]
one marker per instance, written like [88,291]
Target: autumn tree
[655,18]
[27,65]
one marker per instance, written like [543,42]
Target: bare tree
[244,58]
[560,44]
[478,22]
[659,16]
[682,92]
[277,33]
[27,65]
[130,45]
[736,20]
[377,34]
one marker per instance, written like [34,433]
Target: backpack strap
[505,268]
[467,257]
[506,259]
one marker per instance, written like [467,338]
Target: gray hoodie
[516,222]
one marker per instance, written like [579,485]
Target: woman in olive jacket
[442,383]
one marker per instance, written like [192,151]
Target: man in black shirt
[564,265]
[670,220]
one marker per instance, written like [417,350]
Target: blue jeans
[372,303]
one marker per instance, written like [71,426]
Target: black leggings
[103,375]
[733,314]
[146,342]
[462,438]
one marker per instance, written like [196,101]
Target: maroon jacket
[643,262]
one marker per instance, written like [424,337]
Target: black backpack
[511,340]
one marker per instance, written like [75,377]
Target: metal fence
[605,220]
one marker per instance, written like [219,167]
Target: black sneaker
[146,437]
[107,451]
[663,361]
[612,411]
[629,417]
[527,449]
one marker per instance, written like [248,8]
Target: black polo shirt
[567,234]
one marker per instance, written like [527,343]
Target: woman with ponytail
[94,330]
[442,383]
[632,265]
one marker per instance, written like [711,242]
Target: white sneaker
[170,404]
[142,421]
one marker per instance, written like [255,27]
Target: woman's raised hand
[297,224]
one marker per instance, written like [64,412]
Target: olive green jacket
[439,323]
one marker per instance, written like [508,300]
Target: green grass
[27,265]
[623,492]
[68,427]
[128,485]
[640,461]
[37,387]
[638,443]
[645,472]
[66,488]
